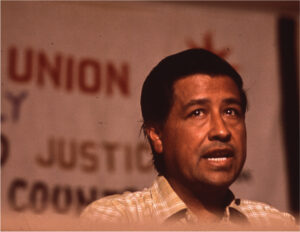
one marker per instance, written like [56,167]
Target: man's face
[204,137]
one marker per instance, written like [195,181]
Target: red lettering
[12,66]
[45,67]
[69,75]
[121,79]
[66,73]
[84,66]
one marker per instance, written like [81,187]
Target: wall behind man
[70,88]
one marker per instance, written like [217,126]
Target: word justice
[88,155]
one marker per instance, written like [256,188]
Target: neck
[208,203]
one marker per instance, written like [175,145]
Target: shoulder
[260,213]
[126,207]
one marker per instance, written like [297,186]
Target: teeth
[217,159]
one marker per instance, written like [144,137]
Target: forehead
[203,86]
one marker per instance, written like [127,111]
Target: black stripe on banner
[290,105]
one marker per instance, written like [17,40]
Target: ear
[154,135]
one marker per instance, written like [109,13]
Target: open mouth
[217,159]
[219,155]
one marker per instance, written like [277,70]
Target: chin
[221,181]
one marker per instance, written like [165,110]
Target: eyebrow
[196,102]
[232,101]
[205,101]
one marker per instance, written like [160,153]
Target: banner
[70,90]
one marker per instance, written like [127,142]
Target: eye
[232,112]
[197,113]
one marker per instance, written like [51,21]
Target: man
[193,106]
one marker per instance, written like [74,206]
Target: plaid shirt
[161,204]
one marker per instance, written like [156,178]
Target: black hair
[157,90]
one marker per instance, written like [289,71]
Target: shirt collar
[166,201]
[168,204]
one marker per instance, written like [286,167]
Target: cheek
[238,130]
[241,138]
[178,144]
[173,142]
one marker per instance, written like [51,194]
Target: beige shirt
[160,204]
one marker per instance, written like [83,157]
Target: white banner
[71,81]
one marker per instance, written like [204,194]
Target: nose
[218,129]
